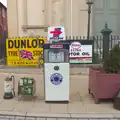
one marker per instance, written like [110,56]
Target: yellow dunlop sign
[24,51]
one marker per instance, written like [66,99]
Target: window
[3,12]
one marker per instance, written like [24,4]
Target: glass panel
[56,55]
[3,12]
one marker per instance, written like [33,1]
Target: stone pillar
[12,20]
[67,17]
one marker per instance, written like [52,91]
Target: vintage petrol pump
[9,92]
[56,72]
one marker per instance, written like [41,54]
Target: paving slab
[1,100]
[22,106]
[59,108]
[91,116]
[101,108]
[75,97]
[50,115]
[11,113]
[78,84]
[10,117]
[19,118]
[117,115]
[41,107]
[8,105]
[86,98]
[59,118]
[41,119]
[76,107]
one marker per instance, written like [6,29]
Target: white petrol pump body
[56,72]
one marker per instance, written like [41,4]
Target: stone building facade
[32,17]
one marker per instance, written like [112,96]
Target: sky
[4,2]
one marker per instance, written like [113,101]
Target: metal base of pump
[8,96]
[56,102]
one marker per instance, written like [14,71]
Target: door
[106,11]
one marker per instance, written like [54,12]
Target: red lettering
[75,45]
[75,50]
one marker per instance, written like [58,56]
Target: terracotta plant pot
[102,85]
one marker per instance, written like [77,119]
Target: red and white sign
[78,51]
[56,46]
[75,47]
[56,34]
[7,85]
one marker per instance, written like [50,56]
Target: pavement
[81,103]
[44,116]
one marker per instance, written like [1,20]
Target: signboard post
[56,34]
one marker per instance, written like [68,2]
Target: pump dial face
[56,56]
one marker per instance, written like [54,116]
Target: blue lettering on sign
[56,79]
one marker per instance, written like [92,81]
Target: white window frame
[3,12]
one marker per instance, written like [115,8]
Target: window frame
[3,12]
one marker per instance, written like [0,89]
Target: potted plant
[104,82]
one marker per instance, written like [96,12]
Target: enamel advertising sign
[80,53]
[56,34]
[24,51]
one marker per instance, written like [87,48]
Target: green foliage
[112,63]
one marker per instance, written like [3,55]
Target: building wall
[3,29]
[70,13]
[3,17]
[12,18]
[24,14]
[32,17]
[39,14]
[106,11]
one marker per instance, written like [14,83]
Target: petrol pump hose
[13,79]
